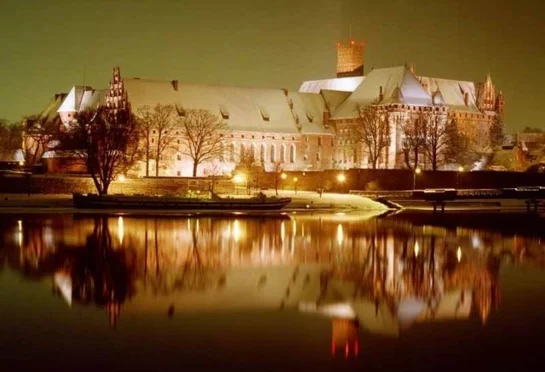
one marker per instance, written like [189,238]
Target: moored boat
[167,202]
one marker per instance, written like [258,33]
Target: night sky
[49,46]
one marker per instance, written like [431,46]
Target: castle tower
[350,58]
[116,99]
[486,100]
[500,103]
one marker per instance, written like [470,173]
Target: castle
[305,130]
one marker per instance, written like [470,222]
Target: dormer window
[224,112]
[264,114]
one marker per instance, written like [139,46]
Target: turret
[486,99]
[350,58]
[500,103]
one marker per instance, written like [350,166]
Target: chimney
[466,98]
[175,85]
[286,91]
[380,94]
[326,118]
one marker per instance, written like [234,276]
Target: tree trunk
[195,165]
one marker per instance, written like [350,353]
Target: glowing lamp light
[460,169]
[283,176]
[418,171]
[121,178]
[341,178]
[239,178]
[459,254]
[416,249]
[295,179]
[21,163]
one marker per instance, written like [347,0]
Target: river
[408,291]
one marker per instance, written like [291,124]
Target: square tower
[350,58]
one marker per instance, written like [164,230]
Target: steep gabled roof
[81,98]
[243,109]
[333,98]
[389,79]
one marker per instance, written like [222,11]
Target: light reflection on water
[378,276]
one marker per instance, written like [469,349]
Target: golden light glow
[460,169]
[120,229]
[341,177]
[416,249]
[19,225]
[239,178]
[340,234]
[459,254]
[418,171]
[21,163]
[121,178]
[295,179]
[283,176]
[237,233]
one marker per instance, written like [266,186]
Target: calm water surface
[352,292]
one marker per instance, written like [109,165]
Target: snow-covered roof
[410,91]
[453,92]
[243,109]
[50,114]
[346,84]
[81,98]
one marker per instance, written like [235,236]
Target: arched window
[262,154]
[283,153]
[232,152]
[242,151]
[254,152]
[273,153]
[292,154]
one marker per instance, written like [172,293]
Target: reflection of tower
[113,309]
[350,58]
[345,337]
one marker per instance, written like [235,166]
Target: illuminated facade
[305,130]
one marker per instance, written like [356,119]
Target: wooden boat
[166,202]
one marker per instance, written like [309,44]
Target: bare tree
[278,167]
[146,124]
[202,134]
[162,119]
[414,130]
[10,135]
[107,145]
[38,134]
[373,132]
[437,139]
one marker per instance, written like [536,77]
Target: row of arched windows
[267,153]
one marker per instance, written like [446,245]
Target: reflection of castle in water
[380,275]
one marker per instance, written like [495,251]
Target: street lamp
[341,177]
[283,176]
[416,172]
[460,170]
[239,179]
[295,179]
[121,178]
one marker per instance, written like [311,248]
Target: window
[292,154]
[152,140]
[273,153]
[179,142]
[318,156]
[179,157]
[283,153]
[179,173]
[320,141]
[232,152]
[262,154]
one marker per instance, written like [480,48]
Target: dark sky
[48,46]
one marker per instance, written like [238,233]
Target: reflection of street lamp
[460,169]
[295,179]
[416,172]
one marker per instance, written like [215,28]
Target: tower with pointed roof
[486,100]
